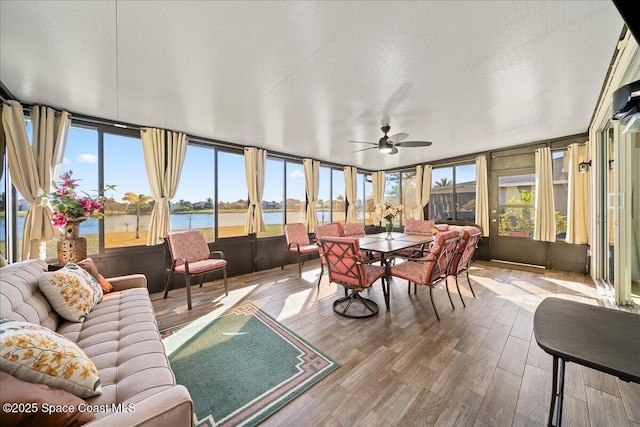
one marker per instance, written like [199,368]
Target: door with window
[513,218]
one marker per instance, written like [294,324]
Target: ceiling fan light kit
[389,144]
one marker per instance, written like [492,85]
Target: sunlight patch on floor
[311,276]
[174,341]
[586,290]
[294,304]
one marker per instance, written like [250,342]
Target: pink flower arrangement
[68,205]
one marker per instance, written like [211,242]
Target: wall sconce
[584,166]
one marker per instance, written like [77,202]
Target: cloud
[296,174]
[87,158]
[66,161]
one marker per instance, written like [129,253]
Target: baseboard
[517,266]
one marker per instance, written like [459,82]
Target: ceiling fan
[390,144]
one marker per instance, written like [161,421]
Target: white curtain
[351,188]
[378,180]
[576,198]
[482,195]
[164,156]
[419,212]
[254,164]
[34,167]
[312,183]
[545,224]
[426,185]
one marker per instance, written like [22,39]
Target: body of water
[123,223]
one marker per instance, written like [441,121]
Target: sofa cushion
[37,354]
[15,391]
[121,336]
[20,296]
[72,291]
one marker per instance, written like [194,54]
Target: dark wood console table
[600,338]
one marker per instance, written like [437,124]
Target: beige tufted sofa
[121,337]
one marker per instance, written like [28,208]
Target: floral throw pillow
[72,291]
[36,354]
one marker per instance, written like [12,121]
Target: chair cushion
[373,273]
[418,226]
[202,266]
[305,249]
[189,244]
[297,233]
[416,272]
[353,229]
[37,354]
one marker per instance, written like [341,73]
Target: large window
[233,196]
[128,211]
[324,196]
[273,197]
[192,205]
[409,194]
[338,194]
[360,197]
[369,206]
[465,192]
[560,191]
[516,205]
[453,193]
[441,202]
[296,193]
[81,157]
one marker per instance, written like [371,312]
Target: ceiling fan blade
[414,144]
[399,137]
[365,149]
[394,150]
[364,142]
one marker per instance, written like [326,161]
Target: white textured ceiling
[306,77]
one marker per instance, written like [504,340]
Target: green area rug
[243,366]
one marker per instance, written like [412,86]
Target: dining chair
[347,269]
[353,229]
[190,255]
[356,229]
[469,240]
[340,227]
[432,268]
[328,230]
[420,227]
[298,242]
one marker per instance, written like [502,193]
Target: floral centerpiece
[69,206]
[389,212]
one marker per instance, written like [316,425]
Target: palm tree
[137,200]
[443,182]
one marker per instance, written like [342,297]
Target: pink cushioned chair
[356,229]
[190,256]
[419,227]
[353,229]
[347,269]
[298,243]
[469,240]
[431,269]
[329,230]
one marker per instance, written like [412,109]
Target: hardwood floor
[478,366]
